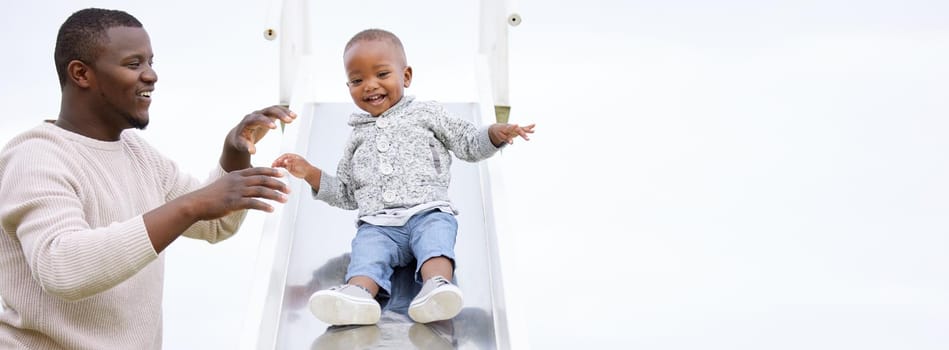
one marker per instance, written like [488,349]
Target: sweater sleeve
[338,190]
[42,208]
[463,138]
[175,183]
[212,231]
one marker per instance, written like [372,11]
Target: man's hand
[241,141]
[238,190]
[255,126]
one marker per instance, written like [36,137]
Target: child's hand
[295,165]
[506,133]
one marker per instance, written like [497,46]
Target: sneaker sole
[442,305]
[340,309]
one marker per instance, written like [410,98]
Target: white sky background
[736,175]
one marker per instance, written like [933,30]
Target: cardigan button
[385,168]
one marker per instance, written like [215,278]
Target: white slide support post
[286,21]
[496,16]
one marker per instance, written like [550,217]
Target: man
[87,206]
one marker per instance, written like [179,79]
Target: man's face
[124,78]
[377,75]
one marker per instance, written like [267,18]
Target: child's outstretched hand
[506,133]
[295,165]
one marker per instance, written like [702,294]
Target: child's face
[377,75]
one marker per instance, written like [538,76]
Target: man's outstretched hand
[241,141]
[255,126]
[238,190]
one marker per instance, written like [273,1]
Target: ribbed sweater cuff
[329,187]
[134,235]
[486,147]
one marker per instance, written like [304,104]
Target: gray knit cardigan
[400,158]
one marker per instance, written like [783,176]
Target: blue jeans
[377,250]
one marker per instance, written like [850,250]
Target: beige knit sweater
[77,270]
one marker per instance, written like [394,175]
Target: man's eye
[354,82]
[383,75]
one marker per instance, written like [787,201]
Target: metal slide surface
[319,243]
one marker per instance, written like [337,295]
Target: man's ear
[79,73]
[407,76]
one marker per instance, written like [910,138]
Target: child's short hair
[375,34]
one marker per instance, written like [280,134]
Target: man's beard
[129,117]
[135,123]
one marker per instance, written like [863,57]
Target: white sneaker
[438,300]
[345,305]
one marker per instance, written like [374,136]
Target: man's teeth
[145,94]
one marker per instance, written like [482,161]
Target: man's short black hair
[83,33]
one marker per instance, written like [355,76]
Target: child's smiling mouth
[375,99]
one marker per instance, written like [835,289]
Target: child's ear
[407,76]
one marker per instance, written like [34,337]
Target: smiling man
[87,206]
